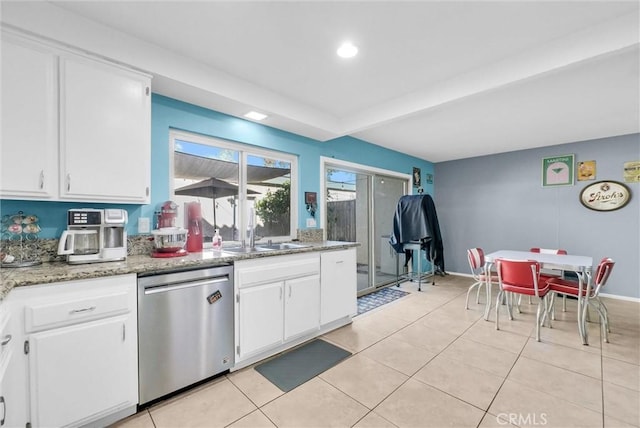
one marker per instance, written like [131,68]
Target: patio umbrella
[213,188]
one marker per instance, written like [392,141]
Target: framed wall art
[632,172]
[557,171]
[587,170]
[416,177]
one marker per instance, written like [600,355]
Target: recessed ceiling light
[254,115]
[347,50]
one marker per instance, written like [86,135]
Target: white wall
[498,202]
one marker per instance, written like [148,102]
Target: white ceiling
[437,80]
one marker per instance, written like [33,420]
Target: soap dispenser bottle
[217,241]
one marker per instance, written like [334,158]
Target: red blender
[194,226]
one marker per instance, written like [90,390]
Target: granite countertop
[140,264]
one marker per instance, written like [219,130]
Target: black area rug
[295,367]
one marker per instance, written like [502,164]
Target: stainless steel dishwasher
[185,329]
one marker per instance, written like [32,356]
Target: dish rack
[20,242]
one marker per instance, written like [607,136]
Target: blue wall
[498,203]
[168,113]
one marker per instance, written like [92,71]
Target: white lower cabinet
[301,306]
[277,300]
[282,301]
[91,360]
[79,363]
[339,285]
[261,317]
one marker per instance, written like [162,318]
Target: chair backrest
[547,251]
[518,276]
[602,274]
[476,261]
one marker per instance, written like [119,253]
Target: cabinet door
[260,318]
[80,371]
[104,132]
[338,285]
[302,306]
[29,140]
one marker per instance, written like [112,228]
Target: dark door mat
[293,368]
[379,298]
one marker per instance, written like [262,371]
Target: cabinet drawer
[272,269]
[44,315]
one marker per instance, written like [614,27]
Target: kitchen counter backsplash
[46,250]
[310,235]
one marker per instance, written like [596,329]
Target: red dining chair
[547,274]
[477,265]
[521,277]
[590,292]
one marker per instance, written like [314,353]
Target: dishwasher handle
[183,285]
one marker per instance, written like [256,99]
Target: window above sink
[232,180]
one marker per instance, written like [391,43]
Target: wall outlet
[144,225]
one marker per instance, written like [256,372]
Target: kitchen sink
[245,250]
[281,246]
[265,247]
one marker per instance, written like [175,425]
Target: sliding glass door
[359,206]
[386,193]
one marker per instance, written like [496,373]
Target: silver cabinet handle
[68,182]
[339,261]
[41,179]
[6,340]
[290,291]
[79,311]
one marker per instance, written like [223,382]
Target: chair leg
[509,301]
[498,302]
[606,313]
[477,284]
[538,316]
[552,307]
[603,322]
[547,310]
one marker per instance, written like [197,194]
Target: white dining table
[581,265]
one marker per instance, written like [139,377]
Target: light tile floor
[425,361]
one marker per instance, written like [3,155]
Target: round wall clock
[605,196]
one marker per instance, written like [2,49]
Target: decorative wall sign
[557,170]
[416,176]
[429,178]
[587,170]
[632,172]
[311,199]
[605,195]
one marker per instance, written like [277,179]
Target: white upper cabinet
[74,128]
[104,131]
[28,148]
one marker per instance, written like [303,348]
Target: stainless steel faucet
[252,237]
[252,229]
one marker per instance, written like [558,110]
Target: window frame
[244,150]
